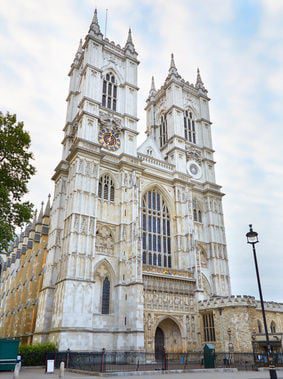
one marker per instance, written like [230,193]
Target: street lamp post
[252,238]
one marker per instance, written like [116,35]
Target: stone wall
[21,280]
[240,315]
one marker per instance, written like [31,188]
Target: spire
[129,44]
[79,51]
[94,28]
[47,208]
[39,219]
[199,83]
[130,39]
[172,63]
[95,19]
[27,230]
[173,70]
[34,220]
[152,91]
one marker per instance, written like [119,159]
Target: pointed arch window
[189,127]
[109,92]
[197,213]
[105,297]
[156,238]
[273,327]
[163,131]
[259,326]
[106,189]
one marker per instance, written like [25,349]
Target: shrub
[35,355]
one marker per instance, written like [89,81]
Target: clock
[109,139]
[194,169]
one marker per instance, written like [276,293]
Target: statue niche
[104,240]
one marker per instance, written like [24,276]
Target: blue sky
[238,46]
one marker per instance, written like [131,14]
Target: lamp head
[252,236]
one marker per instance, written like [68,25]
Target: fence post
[186,358]
[68,358]
[102,365]
[164,360]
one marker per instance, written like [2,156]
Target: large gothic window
[273,327]
[156,239]
[208,327]
[105,296]
[109,92]
[106,189]
[259,326]
[189,127]
[163,131]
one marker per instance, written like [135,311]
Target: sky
[238,46]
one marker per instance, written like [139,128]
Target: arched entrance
[168,337]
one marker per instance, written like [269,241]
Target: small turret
[172,69]
[34,221]
[152,91]
[94,28]
[47,207]
[199,83]
[40,216]
[79,52]
[129,44]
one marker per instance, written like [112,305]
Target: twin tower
[137,233]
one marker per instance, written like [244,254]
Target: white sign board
[50,366]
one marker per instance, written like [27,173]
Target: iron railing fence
[114,361]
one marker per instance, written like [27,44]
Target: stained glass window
[105,296]
[156,237]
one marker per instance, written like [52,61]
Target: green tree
[15,172]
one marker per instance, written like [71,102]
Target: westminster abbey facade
[136,255]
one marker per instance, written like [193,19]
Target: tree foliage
[15,172]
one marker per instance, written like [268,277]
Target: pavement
[39,373]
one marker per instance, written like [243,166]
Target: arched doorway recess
[168,337]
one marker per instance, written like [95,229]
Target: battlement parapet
[238,301]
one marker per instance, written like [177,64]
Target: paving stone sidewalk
[39,373]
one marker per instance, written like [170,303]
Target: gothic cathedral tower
[179,128]
[136,234]
[92,295]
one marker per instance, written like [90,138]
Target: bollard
[16,371]
[19,362]
[62,370]
[272,373]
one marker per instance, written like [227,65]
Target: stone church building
[132,253]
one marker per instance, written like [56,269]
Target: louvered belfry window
[163,131]
[106,189]
[109,92]
[189,127]
[156,238]
[197,214]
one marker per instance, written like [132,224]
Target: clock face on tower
[109,139]
[194,169]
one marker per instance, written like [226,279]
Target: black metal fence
[109,361]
